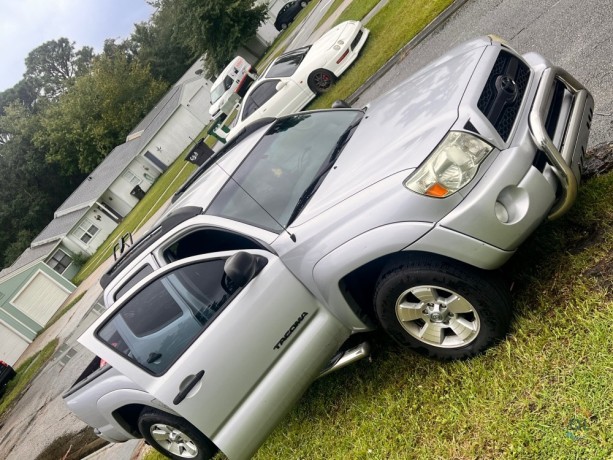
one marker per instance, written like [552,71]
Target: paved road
[576,35]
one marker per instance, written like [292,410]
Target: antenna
[291,235]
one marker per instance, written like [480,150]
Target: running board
[346,357]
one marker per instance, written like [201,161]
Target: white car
[296,77]
[233,80]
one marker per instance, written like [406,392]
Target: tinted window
[140,275]
[259,97]
[286,65]
[227,82]
[290,159]
[159,323]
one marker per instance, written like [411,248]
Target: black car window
[227,82]
[286,65]
[159,323]
[259,96]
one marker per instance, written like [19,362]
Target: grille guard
[582,101]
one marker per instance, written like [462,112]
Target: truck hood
[400,129]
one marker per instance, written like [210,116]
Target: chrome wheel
[173,440]
[438,317]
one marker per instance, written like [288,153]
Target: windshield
[218,91]
[284,169]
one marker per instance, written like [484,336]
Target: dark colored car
[288,13]
[6,374]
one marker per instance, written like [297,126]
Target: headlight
[451,166]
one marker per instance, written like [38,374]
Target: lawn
[25,373]
[545,392]
[408,18]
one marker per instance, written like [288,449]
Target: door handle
[191,383]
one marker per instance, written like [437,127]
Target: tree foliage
[97,113]
[53,66]
[215,28]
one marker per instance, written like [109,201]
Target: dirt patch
[603,273]
[73,446]
[598,160]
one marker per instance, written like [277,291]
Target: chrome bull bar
[561,160]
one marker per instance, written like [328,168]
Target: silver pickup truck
[307,230]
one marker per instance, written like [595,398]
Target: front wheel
[321,80]
[442,308]
[174,437]
[303,4]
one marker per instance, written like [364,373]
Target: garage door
[11,345]
[40,298]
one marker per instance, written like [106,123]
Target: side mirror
[242,267]
[281,85]
[340,104]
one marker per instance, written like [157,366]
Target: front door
[231,361]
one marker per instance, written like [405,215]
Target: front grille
[504,91]
[356,40]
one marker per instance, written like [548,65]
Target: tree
[96,113]
[31,189]
[215,28]
[52,67]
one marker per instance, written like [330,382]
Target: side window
[227,82]
[145,271]
[160,322]
[259,97]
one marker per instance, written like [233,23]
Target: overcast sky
[26,24]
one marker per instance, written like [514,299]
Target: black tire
[283,26]
[321,80]
[303,4]
[449,310]
[184,440]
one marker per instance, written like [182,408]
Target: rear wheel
[303,4]
[321,80]
[442,308]
[174,437]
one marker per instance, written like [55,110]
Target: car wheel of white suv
[442,308]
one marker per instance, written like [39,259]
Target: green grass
[331,9]
[544,392]
[408,18]
[25,373]
[357,11]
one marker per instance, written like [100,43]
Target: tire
[303,4]
[321,80]
[283,26]
[442,308]
[174,437]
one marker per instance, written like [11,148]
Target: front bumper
[567,162]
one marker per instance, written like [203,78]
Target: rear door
[231,361]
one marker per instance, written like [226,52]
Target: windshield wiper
[323,170]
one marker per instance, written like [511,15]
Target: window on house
[131,178]
[86,231]
[60,261]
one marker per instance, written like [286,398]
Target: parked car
[308,230]
[231,84]
[296,77]
[288,13]
[6,375]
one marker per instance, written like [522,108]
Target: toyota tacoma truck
[307,230]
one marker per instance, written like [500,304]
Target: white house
[37,283]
